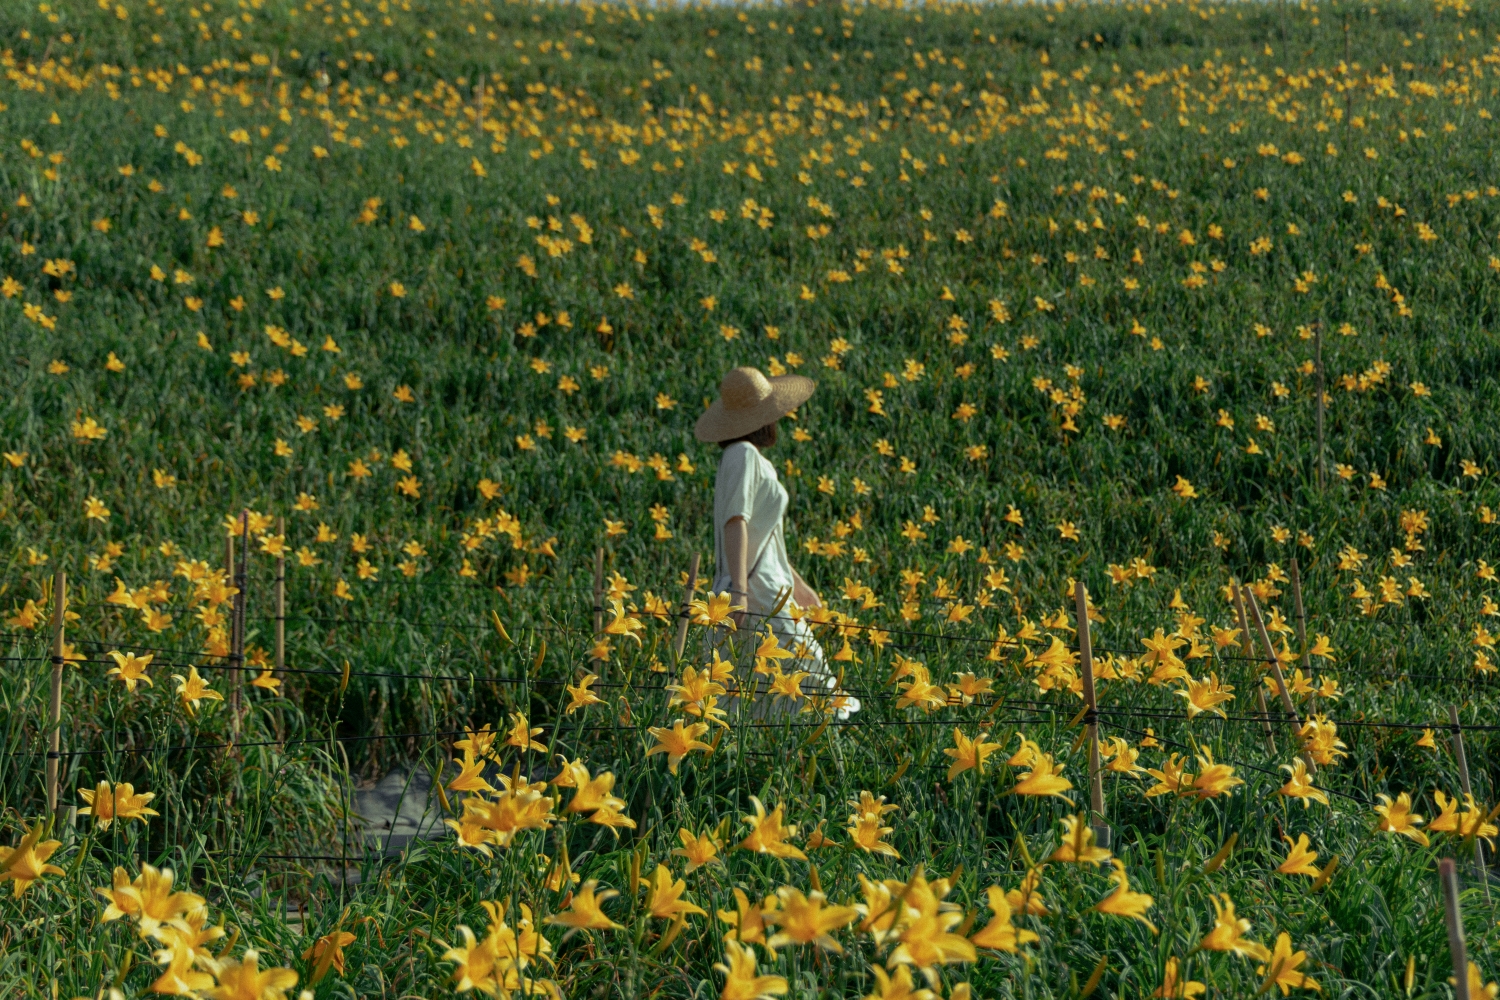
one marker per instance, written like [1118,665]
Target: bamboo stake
[54,704]
[1091,703]
[237,629]
[229,577]
[1301,614]
[1247,646]
[597,665]
[687,598]
[1448,876]
[281,601]
[1463,777]
[1265,718]
[1275,664]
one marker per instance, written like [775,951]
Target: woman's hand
[804,595]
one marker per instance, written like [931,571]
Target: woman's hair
[762,437]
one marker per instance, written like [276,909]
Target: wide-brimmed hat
[748,400]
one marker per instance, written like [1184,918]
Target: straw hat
[748,401]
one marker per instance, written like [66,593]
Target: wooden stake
[1091,703]
[1265,718]
[54,704]
[688,594]
[596,664]
[1247,646]
[1448,876]
[1275,664]
[281,602]
[1318,389]
[1463,777]
[1301,614]
[237,626]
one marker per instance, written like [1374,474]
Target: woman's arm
[736,555]
[804,595]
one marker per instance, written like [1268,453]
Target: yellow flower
[678,741]
[1282,968]
[580,694]
[1229,932]
[470,776]
[1000,934]
[523,734]
[1397,817]
[1472,822]
[623,624]
[186,948]
[27,861]
[589,794]
[699,850]
[714,611]
[898,987]
[327,954]
[1044,778]
[1477,988]
[740,980]
[1173,989]
[245,980]
[924,926]
[108,803]
[193,689]
[1300,786]
[1299,858]
[150,899]
[1078,843]
[130,668]
[664,898]
[1214,779]
[748,922]
[806,919]
[865,830]
[768,834]
[1205,695]
[1124,903]
[585,913]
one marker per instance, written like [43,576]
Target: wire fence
[955,711]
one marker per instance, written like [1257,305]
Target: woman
[749,503]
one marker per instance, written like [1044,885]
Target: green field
[430,296]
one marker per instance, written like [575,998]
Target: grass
[1092,259]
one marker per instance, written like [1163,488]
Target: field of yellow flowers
[353,350]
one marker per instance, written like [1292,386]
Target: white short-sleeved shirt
[747,487]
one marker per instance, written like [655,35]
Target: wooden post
[1091,704]
[687,598]
[281,602]
[1301,613]
[233,624]
[54,704]
[1247,646]
[1318,389]
[237,626]
[1275,664]
[1448,876]
[1463,777]
[1265,718]
[596,664]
